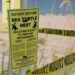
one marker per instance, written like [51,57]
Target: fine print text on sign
[23,34]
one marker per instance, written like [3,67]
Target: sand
[0,19]
[55,46]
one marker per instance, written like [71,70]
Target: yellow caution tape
[3,27]
[57,32]
[58,67]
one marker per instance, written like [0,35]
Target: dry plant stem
[42,42]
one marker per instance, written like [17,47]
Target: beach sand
[56,45]
[0,18]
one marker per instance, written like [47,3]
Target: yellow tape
[62,65]
[57,32]
[3,27]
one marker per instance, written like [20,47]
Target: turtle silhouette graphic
[14,26]
[35,24]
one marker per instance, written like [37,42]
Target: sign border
[10,47]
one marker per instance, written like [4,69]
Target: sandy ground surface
[4,46]
[0,19]
[55,46]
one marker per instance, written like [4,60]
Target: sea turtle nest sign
[23,35]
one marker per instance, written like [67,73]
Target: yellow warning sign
[63,66]
[23,33]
